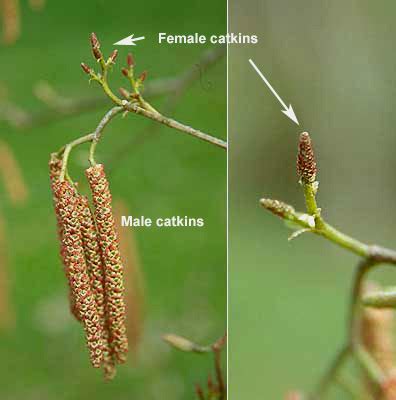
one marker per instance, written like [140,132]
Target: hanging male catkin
[108,241]
[95,269]
[67,205]
[55,166]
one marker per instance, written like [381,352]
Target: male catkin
[108,241]
[67,206]
[55,165]
[93,258]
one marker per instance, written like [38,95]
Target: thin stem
[342,239]
[381,299]
[91,137]
[176,125]
[310,200]
[99,130]
[361,271]
[66,152]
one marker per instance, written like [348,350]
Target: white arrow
[129,41]
[287,110]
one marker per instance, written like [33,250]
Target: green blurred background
[335,62]
[43,356]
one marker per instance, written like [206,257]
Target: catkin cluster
[92,263]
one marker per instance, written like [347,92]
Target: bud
[97,53]
[94,41]
[143,76]
[130,60]
[306,164]
[278,208]
[124,93]
[85,68]
[113,56]
[179,342]
[125,72]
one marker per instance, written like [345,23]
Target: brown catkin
[108,240]
[93,258]
[67,205]
[11,20]
[306,164]
[55,166]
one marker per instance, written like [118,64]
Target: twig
[175,125]
[209,58]
[91,137]
[385,298]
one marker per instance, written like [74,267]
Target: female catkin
[95,269]
[67,205]
[108,241]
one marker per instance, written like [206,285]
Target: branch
[133,102]
[371,256]
[171,123]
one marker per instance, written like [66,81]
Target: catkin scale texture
[306,163]
[108,241]
[55,166]
[95,269]
[67,206]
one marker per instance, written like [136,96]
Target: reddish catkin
[68,209]
[95,269]
[306,164]
[112,260]
[55,166]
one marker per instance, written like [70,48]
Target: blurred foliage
[334,62]
[44,357]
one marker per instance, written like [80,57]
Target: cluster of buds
[92,263]
[128,71]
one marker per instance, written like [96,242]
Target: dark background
[43,354]
[335,63]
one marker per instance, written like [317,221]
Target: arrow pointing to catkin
[287,110]
[129,41]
